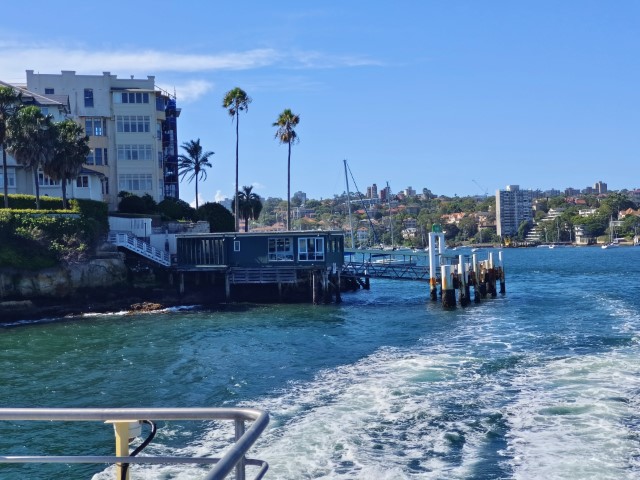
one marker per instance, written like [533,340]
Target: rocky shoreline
[96,301]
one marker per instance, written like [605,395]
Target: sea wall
[62,281]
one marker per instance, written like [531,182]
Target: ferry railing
[233,458]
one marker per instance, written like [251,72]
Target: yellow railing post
[122,445]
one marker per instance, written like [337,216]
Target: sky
[460,97]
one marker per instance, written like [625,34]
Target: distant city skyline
[458,97]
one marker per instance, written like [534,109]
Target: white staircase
[133,243]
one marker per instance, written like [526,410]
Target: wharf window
[88,97]
[236,245]
[135,152]
[280,250]
[135,182]
[49,91]
[132,123]
[82,181]
[310,249]
[95,127]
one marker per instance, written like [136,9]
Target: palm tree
[194,163]
[32,138]
[249,206]
[286,134]
[71,150]
[10,101]
[235,101]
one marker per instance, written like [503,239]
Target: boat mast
[390,219]
[346,178]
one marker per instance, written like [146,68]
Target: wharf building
[132,129]
[513,206]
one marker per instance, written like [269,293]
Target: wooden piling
[503,288]
[463,286]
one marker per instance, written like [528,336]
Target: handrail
[133,243]
[233,458]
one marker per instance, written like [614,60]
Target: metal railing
[233,458]
[133,243]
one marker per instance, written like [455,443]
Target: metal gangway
[133,243]
[376,263]
[124,422]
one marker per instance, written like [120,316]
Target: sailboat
[613,242]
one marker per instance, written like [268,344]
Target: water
[540,383]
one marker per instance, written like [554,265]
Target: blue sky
[456,96]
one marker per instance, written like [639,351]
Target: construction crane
[485,190]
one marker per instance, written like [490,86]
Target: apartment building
[513,206]
[132,129]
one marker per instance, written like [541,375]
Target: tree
[194,163]
[10,101]
[32,138]
[286,134]
[249,207]
[220,219]
[70,152]
[236,101]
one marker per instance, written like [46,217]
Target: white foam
[574,418]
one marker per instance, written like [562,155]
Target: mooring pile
[461,273]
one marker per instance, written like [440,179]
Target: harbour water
[541,383]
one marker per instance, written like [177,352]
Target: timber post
[447,288]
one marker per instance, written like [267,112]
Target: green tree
[10,102]
[176,209]
[286,123]
[249,207]
[70,152]
[32,138]
[220,219]
[236,101]
[194,163]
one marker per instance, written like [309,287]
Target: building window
[131,97]
[46,181]
[95,127]
[135,152]
[44,110]
[82,181]
[310,249]
[132,123]
[105,186]
[280,250]
[97,156]
[88,97]
[134,182]
[49,91]
[236,245]
[11,179]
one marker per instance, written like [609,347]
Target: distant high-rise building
[385,193]
[301,196]
[571,192]
[513,206]
[374,191]
[409,192]
[600,187]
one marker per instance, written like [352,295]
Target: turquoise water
[540,383]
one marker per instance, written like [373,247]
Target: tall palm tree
[286,134]
[10,101]
[249,207]
[194,163]
[236,101]
[32,138]
[70,152]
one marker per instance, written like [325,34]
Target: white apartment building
[513,206]
[131,127]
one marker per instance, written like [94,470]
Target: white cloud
[190,91]
[219,196]
[44,58]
